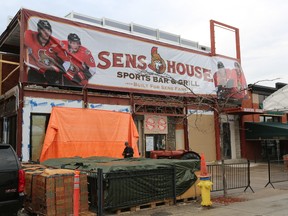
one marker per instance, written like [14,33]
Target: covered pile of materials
[50,191]
[146,180]
[86,132]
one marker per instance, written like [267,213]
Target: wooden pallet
[184,200]
[150,205]
[87,213]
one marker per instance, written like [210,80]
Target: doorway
[154,142]
[226,151]
[39,124]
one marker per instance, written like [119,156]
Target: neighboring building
[121,67]
[266,133]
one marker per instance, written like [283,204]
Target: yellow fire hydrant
[205,184]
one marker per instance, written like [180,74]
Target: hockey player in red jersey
[43,50]
[230,83]
[78,62]
[239,89]
[222,80]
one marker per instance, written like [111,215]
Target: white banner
[113,60]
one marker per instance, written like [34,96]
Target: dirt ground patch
[227,200]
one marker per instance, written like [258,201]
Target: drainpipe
[19,121]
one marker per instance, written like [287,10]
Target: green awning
[277,113]
[266,130]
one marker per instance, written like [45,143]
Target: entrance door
[226,141]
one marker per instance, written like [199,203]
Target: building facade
[167,83]
[265,133]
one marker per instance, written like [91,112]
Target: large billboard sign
[63,52]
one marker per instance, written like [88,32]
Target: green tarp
[184,169]
[266,130]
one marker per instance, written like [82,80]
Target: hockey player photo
[79,63]
[44,64]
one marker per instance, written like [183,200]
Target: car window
[7,159]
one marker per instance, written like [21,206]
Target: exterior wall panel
[202,135]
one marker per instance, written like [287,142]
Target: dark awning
[266,130]
[243,111]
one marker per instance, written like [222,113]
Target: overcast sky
[262,24]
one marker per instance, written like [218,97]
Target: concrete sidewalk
[269,201]
[266,201]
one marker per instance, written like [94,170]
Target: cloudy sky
[262,25]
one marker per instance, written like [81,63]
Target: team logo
[157,62]
[49,61]
[44,58]
[150,123]
[162,124]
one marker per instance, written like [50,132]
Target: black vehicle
[12,182]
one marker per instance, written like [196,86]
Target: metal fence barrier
[230,175]
[123,189]
[277,171]
[111,191]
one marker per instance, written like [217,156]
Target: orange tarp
[87,132]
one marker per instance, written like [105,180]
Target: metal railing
[277,171]
[226,176]
[123,189]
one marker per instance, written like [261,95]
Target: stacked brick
[50,191]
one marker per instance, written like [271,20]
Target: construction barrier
[76,193]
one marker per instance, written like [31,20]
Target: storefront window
[269,119]
[155,142]
[269,149]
